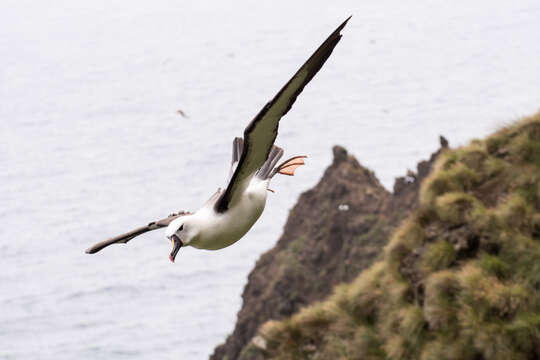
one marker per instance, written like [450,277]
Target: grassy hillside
[460,279]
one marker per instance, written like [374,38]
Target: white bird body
[214,231]
[228,215]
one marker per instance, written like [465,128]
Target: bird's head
[180,232]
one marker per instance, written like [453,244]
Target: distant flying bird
[229,214]
[182,113]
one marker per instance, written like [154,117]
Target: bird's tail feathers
[238,145]
[265,172]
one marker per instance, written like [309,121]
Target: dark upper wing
[260,134]
[124,238]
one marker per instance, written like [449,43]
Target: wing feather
[124,238]
[260,134]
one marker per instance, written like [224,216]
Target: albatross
[229,214]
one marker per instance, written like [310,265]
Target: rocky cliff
[335,230]
[459,279]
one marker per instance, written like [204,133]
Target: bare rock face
[333,232]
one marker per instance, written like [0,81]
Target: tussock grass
[437,256]
[411,323]
[527,148]
[407,237]
[459,177]
[460,278]
[454,207]
[494,265]
[440,303]
[516,212]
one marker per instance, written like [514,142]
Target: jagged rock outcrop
[334,231]
[458,280]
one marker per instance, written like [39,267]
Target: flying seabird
[228,215]
[182,113]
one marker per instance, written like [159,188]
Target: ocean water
[91,144]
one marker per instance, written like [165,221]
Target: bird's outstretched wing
[124,238]
[261,132]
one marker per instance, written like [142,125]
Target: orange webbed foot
[291,165]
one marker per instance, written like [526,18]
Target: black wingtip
[340,27]
[97,247]
[337,33]
[332,40]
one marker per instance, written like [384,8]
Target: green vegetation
[460,279]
